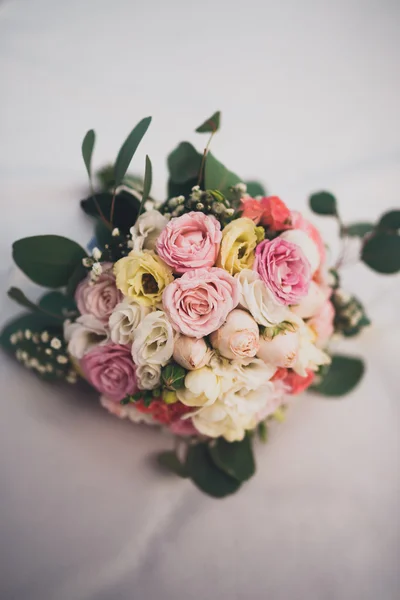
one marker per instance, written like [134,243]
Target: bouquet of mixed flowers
[205,314]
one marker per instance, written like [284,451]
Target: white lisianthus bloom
[307,245]
[147,229]
[127,411]
[202,388]
[125,319]
[308,355]
[148,376]
[258,299]
[84,334]
[154,340]
[241,375]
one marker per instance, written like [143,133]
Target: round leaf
[390,221]
[359,229]
[382,253]
[169,460]
[206,475]
[217,177]
[184,163]
[255,188]
[211,125]
[342,376]
[323,203]
[235,458]
[49,260]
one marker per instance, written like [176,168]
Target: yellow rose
[143,277]
[239,239]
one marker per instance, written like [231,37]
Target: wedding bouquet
[205,314]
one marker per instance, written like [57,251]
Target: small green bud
[169,397]
[173,376]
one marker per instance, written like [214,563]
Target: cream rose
[148,376]
[84,334]
[309,356]
[146,230]
[125,319]
[238,337]
[202,388]
[154,340]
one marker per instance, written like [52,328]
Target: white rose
[311,304]
[127,411]
[309,248]
[308,355]
[148,376]
[238,337]
[191,353]
[124,319]
[202,388]
[153,340]
[244,374]
[256,297]
[281,351]
[84,334]
[147,229]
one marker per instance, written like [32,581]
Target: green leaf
[128,149]
[78,274]
[234,458]
[390,221]
[105,175]
[148,177]
[211,125]
[49,260]
[19,297]
[169,460]
[343,374]
[87,151]
[359,229]
[262,431]
[125,212]
[255,188]
[102,235]
[218,177]
[32,321]
[382,253]
[206,475]
[58,304]
[184,163]
[323,203]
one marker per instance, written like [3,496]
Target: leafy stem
[203,160]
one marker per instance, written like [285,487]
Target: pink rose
[284,269]
[251,209]
[98,298]
[322,324]
[238,337]
[298,222]
[198,302]
[275,215]
[111,371]
[190,242]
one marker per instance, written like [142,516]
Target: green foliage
[148,178]
[33,321]
[341,377]
[19,297]
[87,151]
[173,376]
[206,475]
[218,177]
[234,458]
[169,460]
[78,274]
[390,221]
[211,125]
[323,203]
[262,431]
[126,208]
[105,175]
[49,260]
[184,163]
[58,304]
[359,229]
[255,188]
[128,150]
[381,253]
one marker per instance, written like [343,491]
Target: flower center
[149,284]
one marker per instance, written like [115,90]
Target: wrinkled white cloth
[309,94]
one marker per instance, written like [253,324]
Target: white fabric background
[310,94]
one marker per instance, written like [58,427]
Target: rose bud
[191,353]
[281,351]
[307,245]
[238,337]
[311,304]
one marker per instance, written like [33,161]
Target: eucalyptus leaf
[255,188]
[49,260]
[381,253]
[390,221]
[342,376]
[218,177]
[359,229]
[169,460]
[87,151]
[184,163]
[76,277]
[148,178]
[211,125]
[323,203]
[126,208]
[19,297]
[234,458]
[58,304]
[206,475]
[128,150]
